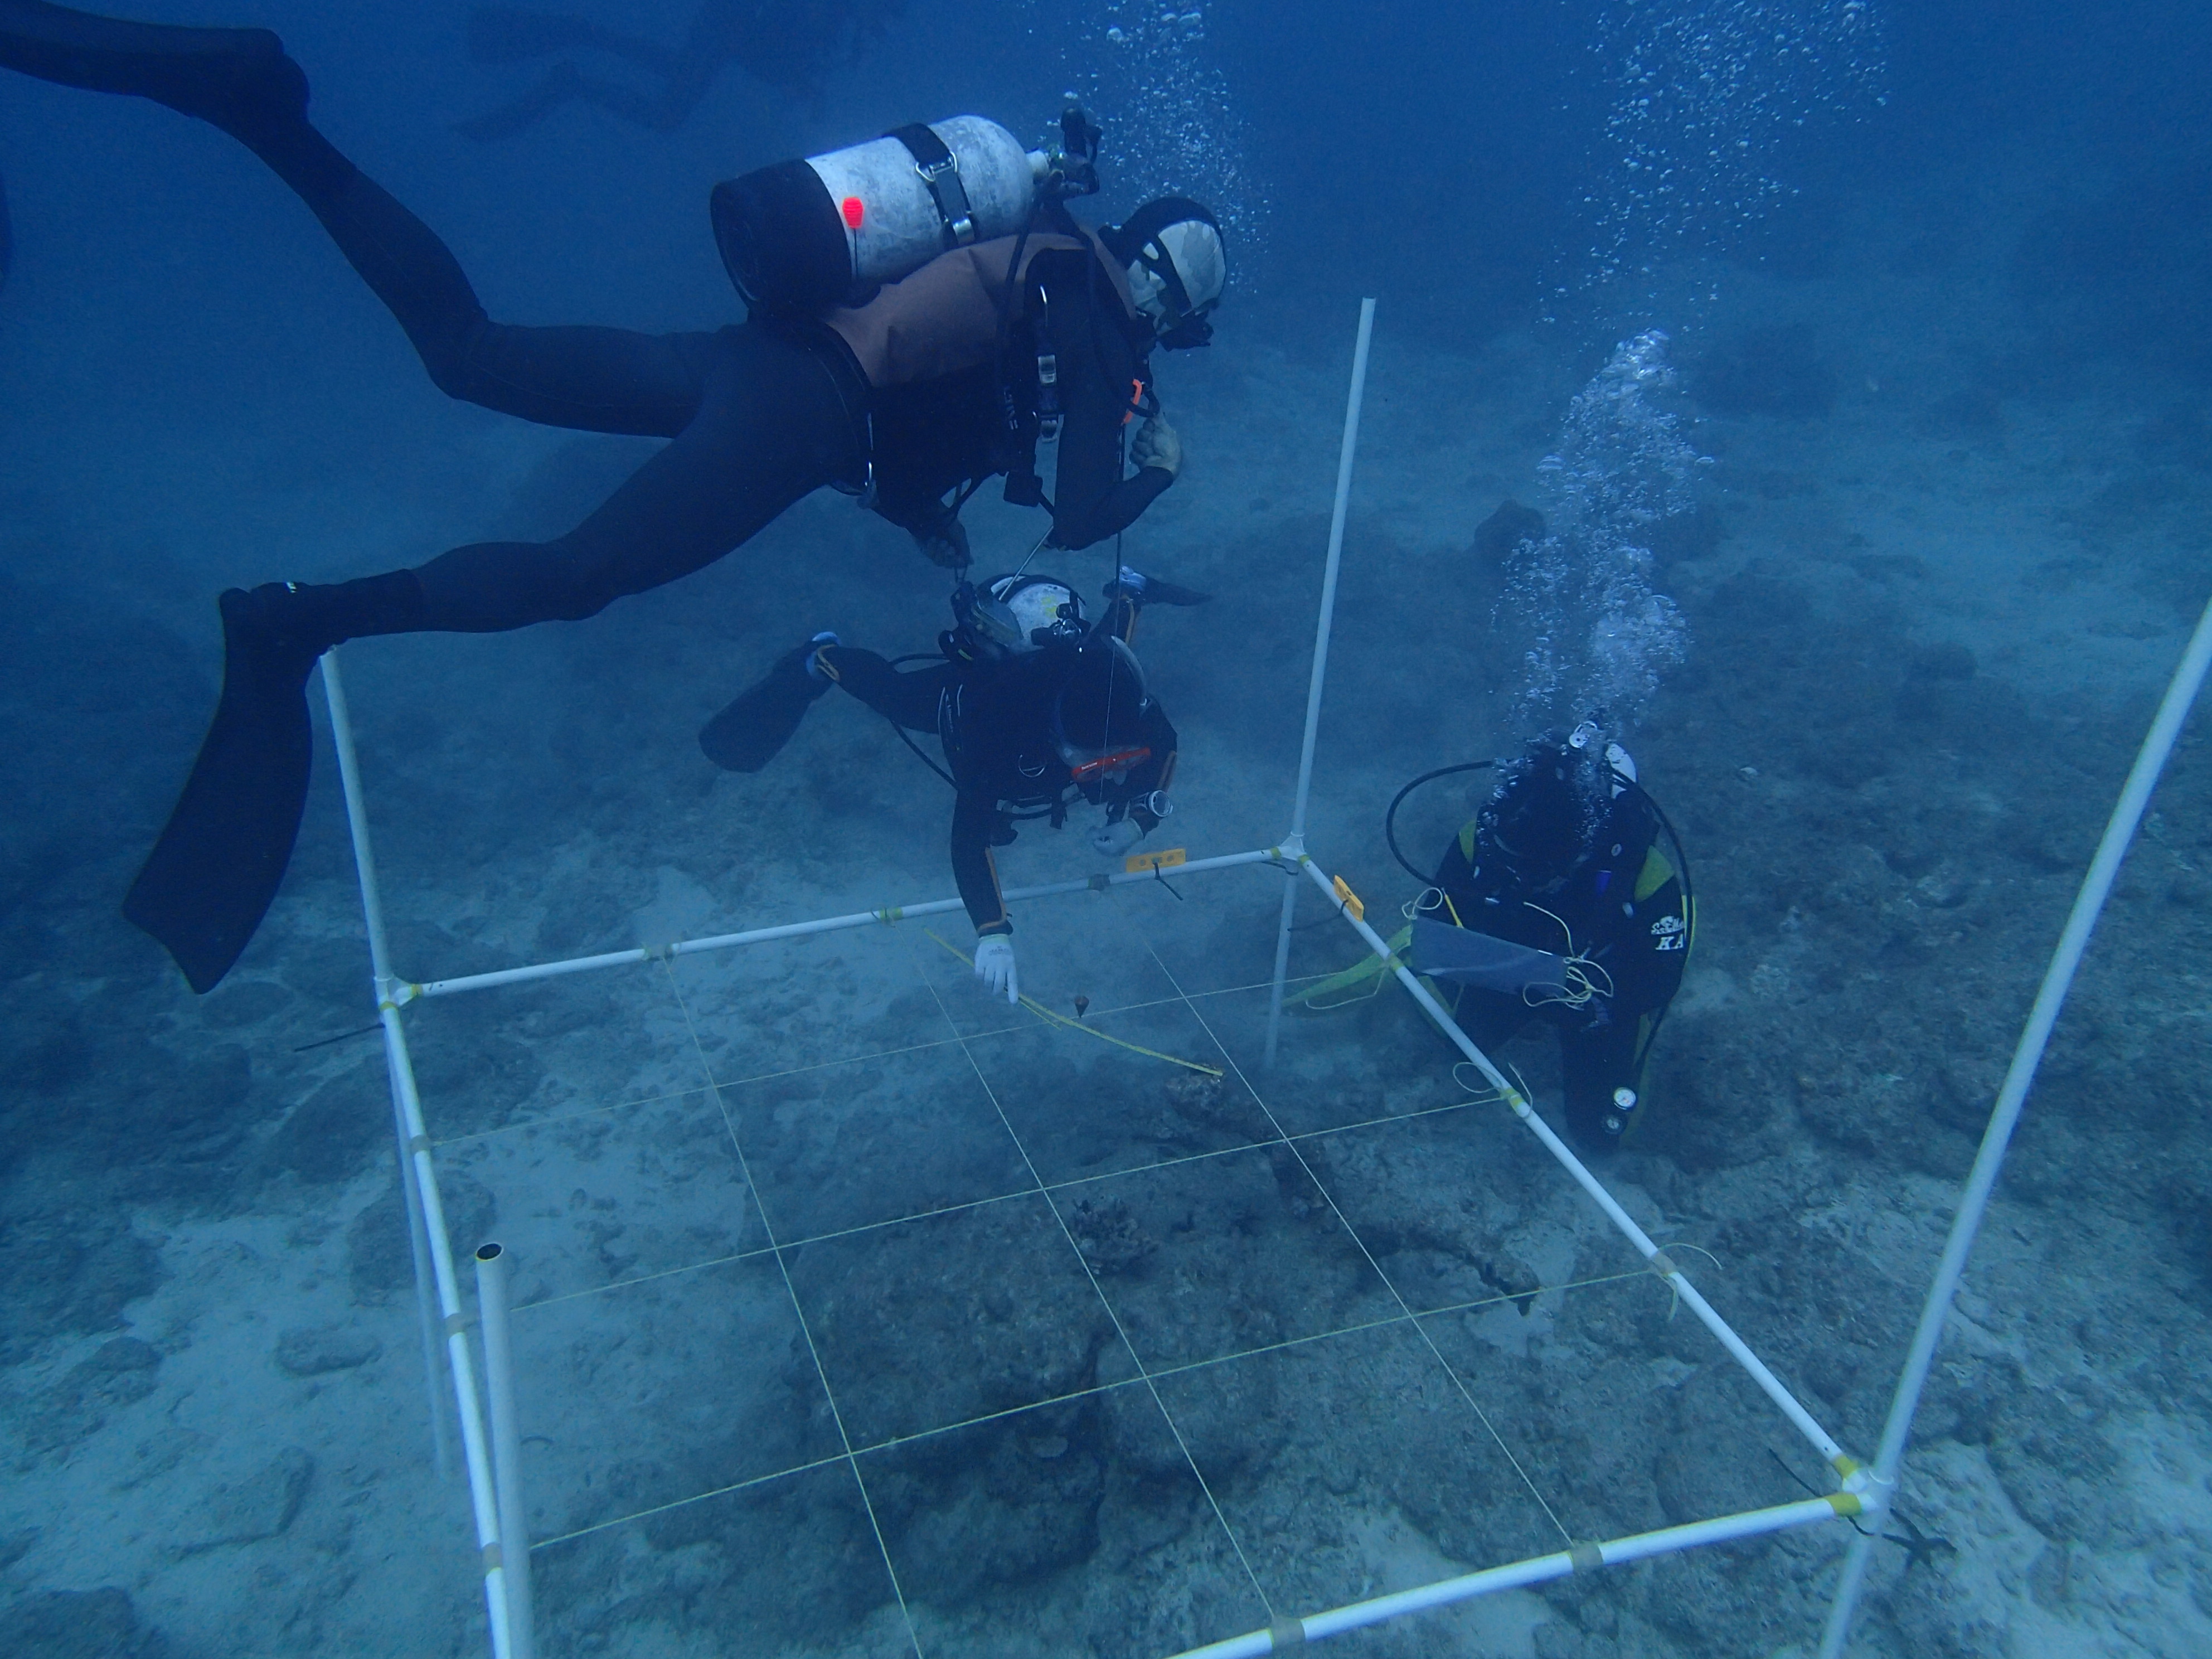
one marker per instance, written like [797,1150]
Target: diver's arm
[1101,381]
[973,867]
[1078,524]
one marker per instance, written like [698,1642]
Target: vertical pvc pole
[415,1148]
[426,1311]
[1295,846]
[372,905]
[506,1449]
[1974,1197]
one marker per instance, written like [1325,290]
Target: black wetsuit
[1625,910]
[758,415]
[994,718]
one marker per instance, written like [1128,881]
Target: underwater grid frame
[772,1223]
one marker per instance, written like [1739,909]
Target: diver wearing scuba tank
[948,407]
[1037,709]
[1558,902]
[902,390]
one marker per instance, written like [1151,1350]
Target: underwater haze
[1811,394]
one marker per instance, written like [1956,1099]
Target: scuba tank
[804,236]
[801,236]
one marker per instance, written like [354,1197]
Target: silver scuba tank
[805,235]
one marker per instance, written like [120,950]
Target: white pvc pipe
[364,855]
[1974,1197]
[492,1306]
[416,1144]
[443,987]
[372,905]
[426,1314]
[1323,625]
[1286,1633]
[1662,1264]
[1286,925]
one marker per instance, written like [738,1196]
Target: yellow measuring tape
[1052,1019]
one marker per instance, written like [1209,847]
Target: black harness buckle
[938,168]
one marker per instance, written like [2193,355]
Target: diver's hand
[994,966]
[945,544]
[1112,841]
[1156,445]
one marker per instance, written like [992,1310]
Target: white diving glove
[1156,445]
[1114,840]
[994,966]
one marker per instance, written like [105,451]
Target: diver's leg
[560,84]
[509,34]
[761,720]
[564,83]
[1489,1019]
[594,379]
[664,111]
[905,698]
[1596,1060]
[777,422]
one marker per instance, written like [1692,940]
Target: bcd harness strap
[1024,481]
[1049,414]
[939,169]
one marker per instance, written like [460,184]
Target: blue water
[1856,356]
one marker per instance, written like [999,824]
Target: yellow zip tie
[1052,1019]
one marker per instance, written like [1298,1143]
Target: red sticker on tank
[854,212]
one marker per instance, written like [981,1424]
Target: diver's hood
[1178,267]
[1543,818]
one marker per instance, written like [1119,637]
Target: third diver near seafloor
[1558,901]
[1035,708]
[886,353]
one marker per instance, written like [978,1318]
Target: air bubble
[1599,633]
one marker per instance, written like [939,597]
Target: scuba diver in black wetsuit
[907,393]
[1034,707]
[1558,902]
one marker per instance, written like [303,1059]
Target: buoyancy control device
[800,236]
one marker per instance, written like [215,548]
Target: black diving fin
[212,874]
[1151,590]
[240,80]
[765,716]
